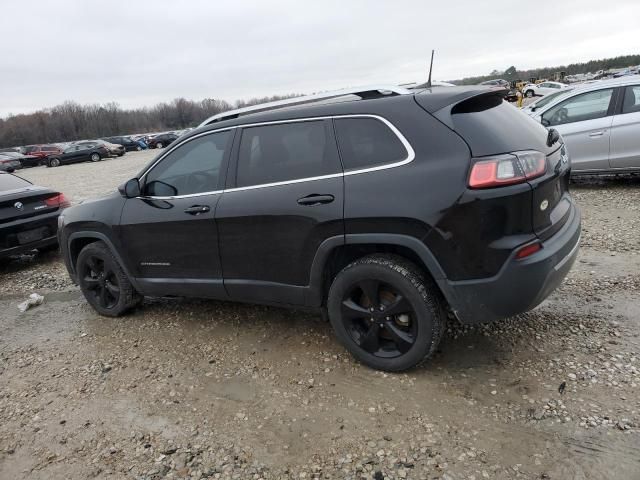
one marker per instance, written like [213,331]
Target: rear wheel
[95,157]
[386,313]
[138,148]
[53,162]
[529,93]
[103,282]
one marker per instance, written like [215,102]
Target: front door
[284,199]
[169,232]
[625,131]
[584,121]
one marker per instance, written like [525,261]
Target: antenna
[430,68]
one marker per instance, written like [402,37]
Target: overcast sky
[140,52]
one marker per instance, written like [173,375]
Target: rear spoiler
[466,100]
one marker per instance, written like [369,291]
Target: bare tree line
[72,121]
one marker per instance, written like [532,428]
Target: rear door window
[286,151]
[367,142]
[631,103]
[586,106]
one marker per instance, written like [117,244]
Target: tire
[53,162]
[98,271]
[529,94]
[95,157]
[404,340]
[138,148]
[159,145]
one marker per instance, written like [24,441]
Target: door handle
[596,134]
[315,199]
[197,209]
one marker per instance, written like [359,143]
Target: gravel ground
[203,389]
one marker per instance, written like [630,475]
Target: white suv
[600,123]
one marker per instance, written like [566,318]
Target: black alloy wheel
[100,279]
[387,312]
[379,319]
[103,281]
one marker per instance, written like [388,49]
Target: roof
[338,103]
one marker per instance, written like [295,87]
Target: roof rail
[362,92]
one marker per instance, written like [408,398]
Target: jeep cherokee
[388,209]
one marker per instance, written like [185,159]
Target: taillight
[58,200]
[508,169]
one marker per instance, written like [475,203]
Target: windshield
[548,98]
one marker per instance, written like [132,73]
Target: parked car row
[52,155]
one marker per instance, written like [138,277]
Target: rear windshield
[491,126]
[11,182]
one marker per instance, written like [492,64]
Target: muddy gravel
[204,389]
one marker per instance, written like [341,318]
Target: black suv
[388,209]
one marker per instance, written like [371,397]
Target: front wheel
[386,312]
[103,282]
[159,145]
[138,148]
[95,157]
[53,162]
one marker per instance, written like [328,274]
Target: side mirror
[130,189]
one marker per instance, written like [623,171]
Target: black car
[28,215]
[86,151]
[126,142]
[389,213]
[162,140]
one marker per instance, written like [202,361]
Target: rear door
[170,230]
[625,131]
[584,120]
[284,198]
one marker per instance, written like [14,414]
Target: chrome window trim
[411,155]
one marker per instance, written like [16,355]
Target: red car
[42,151]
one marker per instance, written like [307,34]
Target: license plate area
[30,236]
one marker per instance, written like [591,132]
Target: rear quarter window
[367,142]
[491,126]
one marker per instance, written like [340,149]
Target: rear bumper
[9,244]
[520,285]
[45,242]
